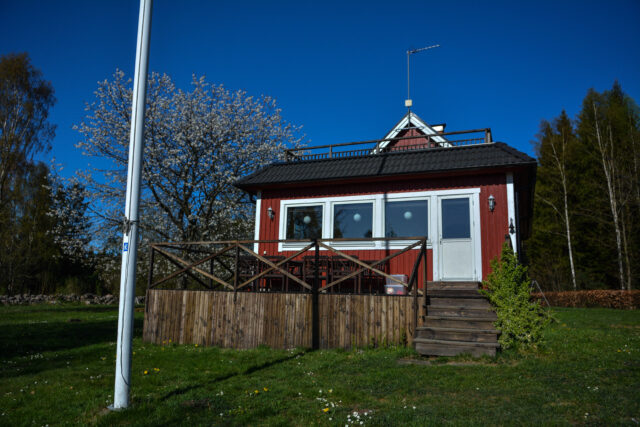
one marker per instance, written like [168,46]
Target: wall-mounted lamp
[270,212]
[492,203]
[512,228]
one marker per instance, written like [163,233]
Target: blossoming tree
[197,144]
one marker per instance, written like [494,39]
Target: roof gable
[411,120]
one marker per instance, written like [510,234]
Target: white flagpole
[130,238]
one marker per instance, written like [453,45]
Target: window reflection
[304,222]
[353,220]
[406,218]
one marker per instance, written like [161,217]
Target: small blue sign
[126,247]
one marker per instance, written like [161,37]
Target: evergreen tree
[601,162]
[608,127]
[551,245]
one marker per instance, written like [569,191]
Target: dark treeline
[586,230]
[35,251]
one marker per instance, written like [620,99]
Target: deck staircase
[459,320]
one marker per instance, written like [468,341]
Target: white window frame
[374,222]
[296,203]
[378,200]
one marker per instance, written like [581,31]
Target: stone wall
[87,299]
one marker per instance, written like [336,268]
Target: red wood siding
[407,142]
[493,225]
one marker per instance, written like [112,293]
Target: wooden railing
[235,267]
[378,146]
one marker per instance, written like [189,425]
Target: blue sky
[339,68]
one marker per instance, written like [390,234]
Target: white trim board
[511,209]
[256,232]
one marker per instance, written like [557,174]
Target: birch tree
[586,226]
[554,151]
[197,144]
[608,124]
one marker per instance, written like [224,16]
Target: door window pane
[353,220]
[455,219]
[406,218]
[304,222]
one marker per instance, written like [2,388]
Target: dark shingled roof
[443,159]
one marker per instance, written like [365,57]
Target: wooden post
[150,277]
[315,313]
[235,275]
[415,304]
[211,272]
[423,250]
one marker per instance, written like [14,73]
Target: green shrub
[520,320]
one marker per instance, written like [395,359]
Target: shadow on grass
[26,339]
[66,308]
[250,370]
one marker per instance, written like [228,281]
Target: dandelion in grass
[156,369]
[325,410]
[265,389]
[146,372]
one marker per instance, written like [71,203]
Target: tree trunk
[608,168]
[561,165]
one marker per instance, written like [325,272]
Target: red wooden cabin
[358,218]
[462,190]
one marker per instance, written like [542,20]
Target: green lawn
[58,365]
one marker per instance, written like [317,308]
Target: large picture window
[353,220]
[406,218]
[304,222]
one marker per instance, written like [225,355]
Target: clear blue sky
[339,68]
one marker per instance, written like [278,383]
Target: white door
[455,238]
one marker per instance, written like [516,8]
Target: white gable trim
[409,119]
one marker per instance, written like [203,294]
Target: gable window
[304,222]
[406,218]
[353,220]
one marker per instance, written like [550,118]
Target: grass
[57,368]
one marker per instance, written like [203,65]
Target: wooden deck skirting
[246,320]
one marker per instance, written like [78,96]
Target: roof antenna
[408,102]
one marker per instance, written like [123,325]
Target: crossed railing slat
[190,268]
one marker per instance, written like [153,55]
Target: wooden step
[454,293]
[461,311]
[431,347]
[458,334]
[453,285]
[481,303]
[458,322]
